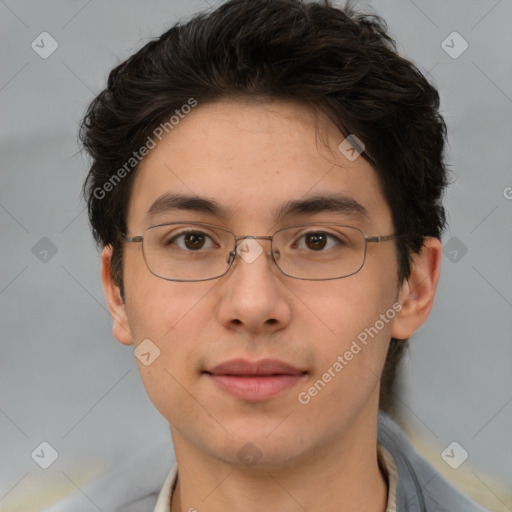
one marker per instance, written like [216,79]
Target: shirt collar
[386,462]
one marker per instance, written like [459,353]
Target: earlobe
[417,293]
[116,307]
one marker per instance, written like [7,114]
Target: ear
[116,307]
[417,293]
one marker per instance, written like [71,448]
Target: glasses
[196,251]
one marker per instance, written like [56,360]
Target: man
[265,185]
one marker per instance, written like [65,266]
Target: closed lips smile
[255,381]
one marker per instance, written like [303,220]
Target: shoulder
[420,487]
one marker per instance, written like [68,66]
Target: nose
[252,295]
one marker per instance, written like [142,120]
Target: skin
[252,157]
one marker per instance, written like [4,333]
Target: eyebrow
[168,202]
[334,203]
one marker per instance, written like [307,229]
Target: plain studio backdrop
[66,382]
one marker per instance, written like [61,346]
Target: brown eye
[194,240]
[319,241]
[191,241]
[316,241]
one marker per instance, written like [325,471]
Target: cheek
[172,316]
[352,319]
[175,324]
[156,308]
[350,354]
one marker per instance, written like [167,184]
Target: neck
[341,475]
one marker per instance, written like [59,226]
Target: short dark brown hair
[335,60]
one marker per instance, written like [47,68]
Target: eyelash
[301,237]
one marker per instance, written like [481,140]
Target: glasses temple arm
[132,238]
[384,238]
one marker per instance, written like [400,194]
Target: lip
[255,381]
[263,367]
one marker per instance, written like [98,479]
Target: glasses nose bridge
[238,239]
[232,254]
[245,237]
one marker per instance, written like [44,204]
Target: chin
[260,445]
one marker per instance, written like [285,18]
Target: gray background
[66,381]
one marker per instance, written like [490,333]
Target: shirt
[413,484]
[386,462]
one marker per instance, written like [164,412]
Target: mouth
[255,381]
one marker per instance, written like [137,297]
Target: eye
[318,241]
[192,240]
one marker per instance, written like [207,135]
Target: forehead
[256,164]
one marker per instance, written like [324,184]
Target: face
[251,160]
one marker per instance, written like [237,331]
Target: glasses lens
[188,252]
[327,251]
[196,252]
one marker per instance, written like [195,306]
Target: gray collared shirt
[413,484]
